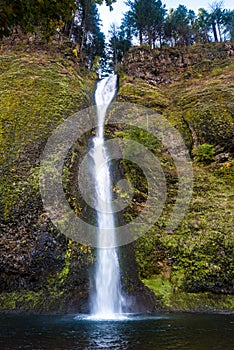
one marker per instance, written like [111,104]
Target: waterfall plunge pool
[190,331]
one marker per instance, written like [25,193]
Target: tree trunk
[220,35]
[149,37]
[140,36]
[160,39]
[214,31]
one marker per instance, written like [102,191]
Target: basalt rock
[168,65]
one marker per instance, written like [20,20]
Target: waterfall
[106,300]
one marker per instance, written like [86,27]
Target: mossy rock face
[139,92]
[197,257]
[37,93]
[201,108]
[41,269]
[207,106]
[39,266]
[168,65]
[174,299]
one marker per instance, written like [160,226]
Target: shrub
[205,153]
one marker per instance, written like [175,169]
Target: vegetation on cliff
[197,257]
[40,268]
[150,23]
[191,268]
[76,21]
[39,89]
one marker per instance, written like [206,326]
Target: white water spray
[106,299]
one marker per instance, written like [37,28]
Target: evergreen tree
[179,26]
[202,26]
[228,21]
[118,46]
[29,15]
[216,17]
[43,15]
[146,18]
[85,32]
[78,19]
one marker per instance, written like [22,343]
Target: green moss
[37,93]
[56,282]
[198,255]
[53,294]
[207,107]
[173,299]
[201,107]
[205,153]
[161,287]
[139,92]
[75,253]
[20,300]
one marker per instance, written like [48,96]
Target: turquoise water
[163,331]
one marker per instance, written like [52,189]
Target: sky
[115,16]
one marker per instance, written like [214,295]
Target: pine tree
[179,26]
[228,21]
[118,45]
[146,18]
[202,26]
[43,15]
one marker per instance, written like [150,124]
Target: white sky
[115,16]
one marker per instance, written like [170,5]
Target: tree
[218,21]
[118,46]
[202,26]
[78,19]
[128,24]
[216,17]
[146,17]
[228,21]
[107,2]
[34,14]
[159,22]
[43,15]
[179,26]
[138,16]
[86,31]
[154,28]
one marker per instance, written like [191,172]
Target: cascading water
[106,300]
